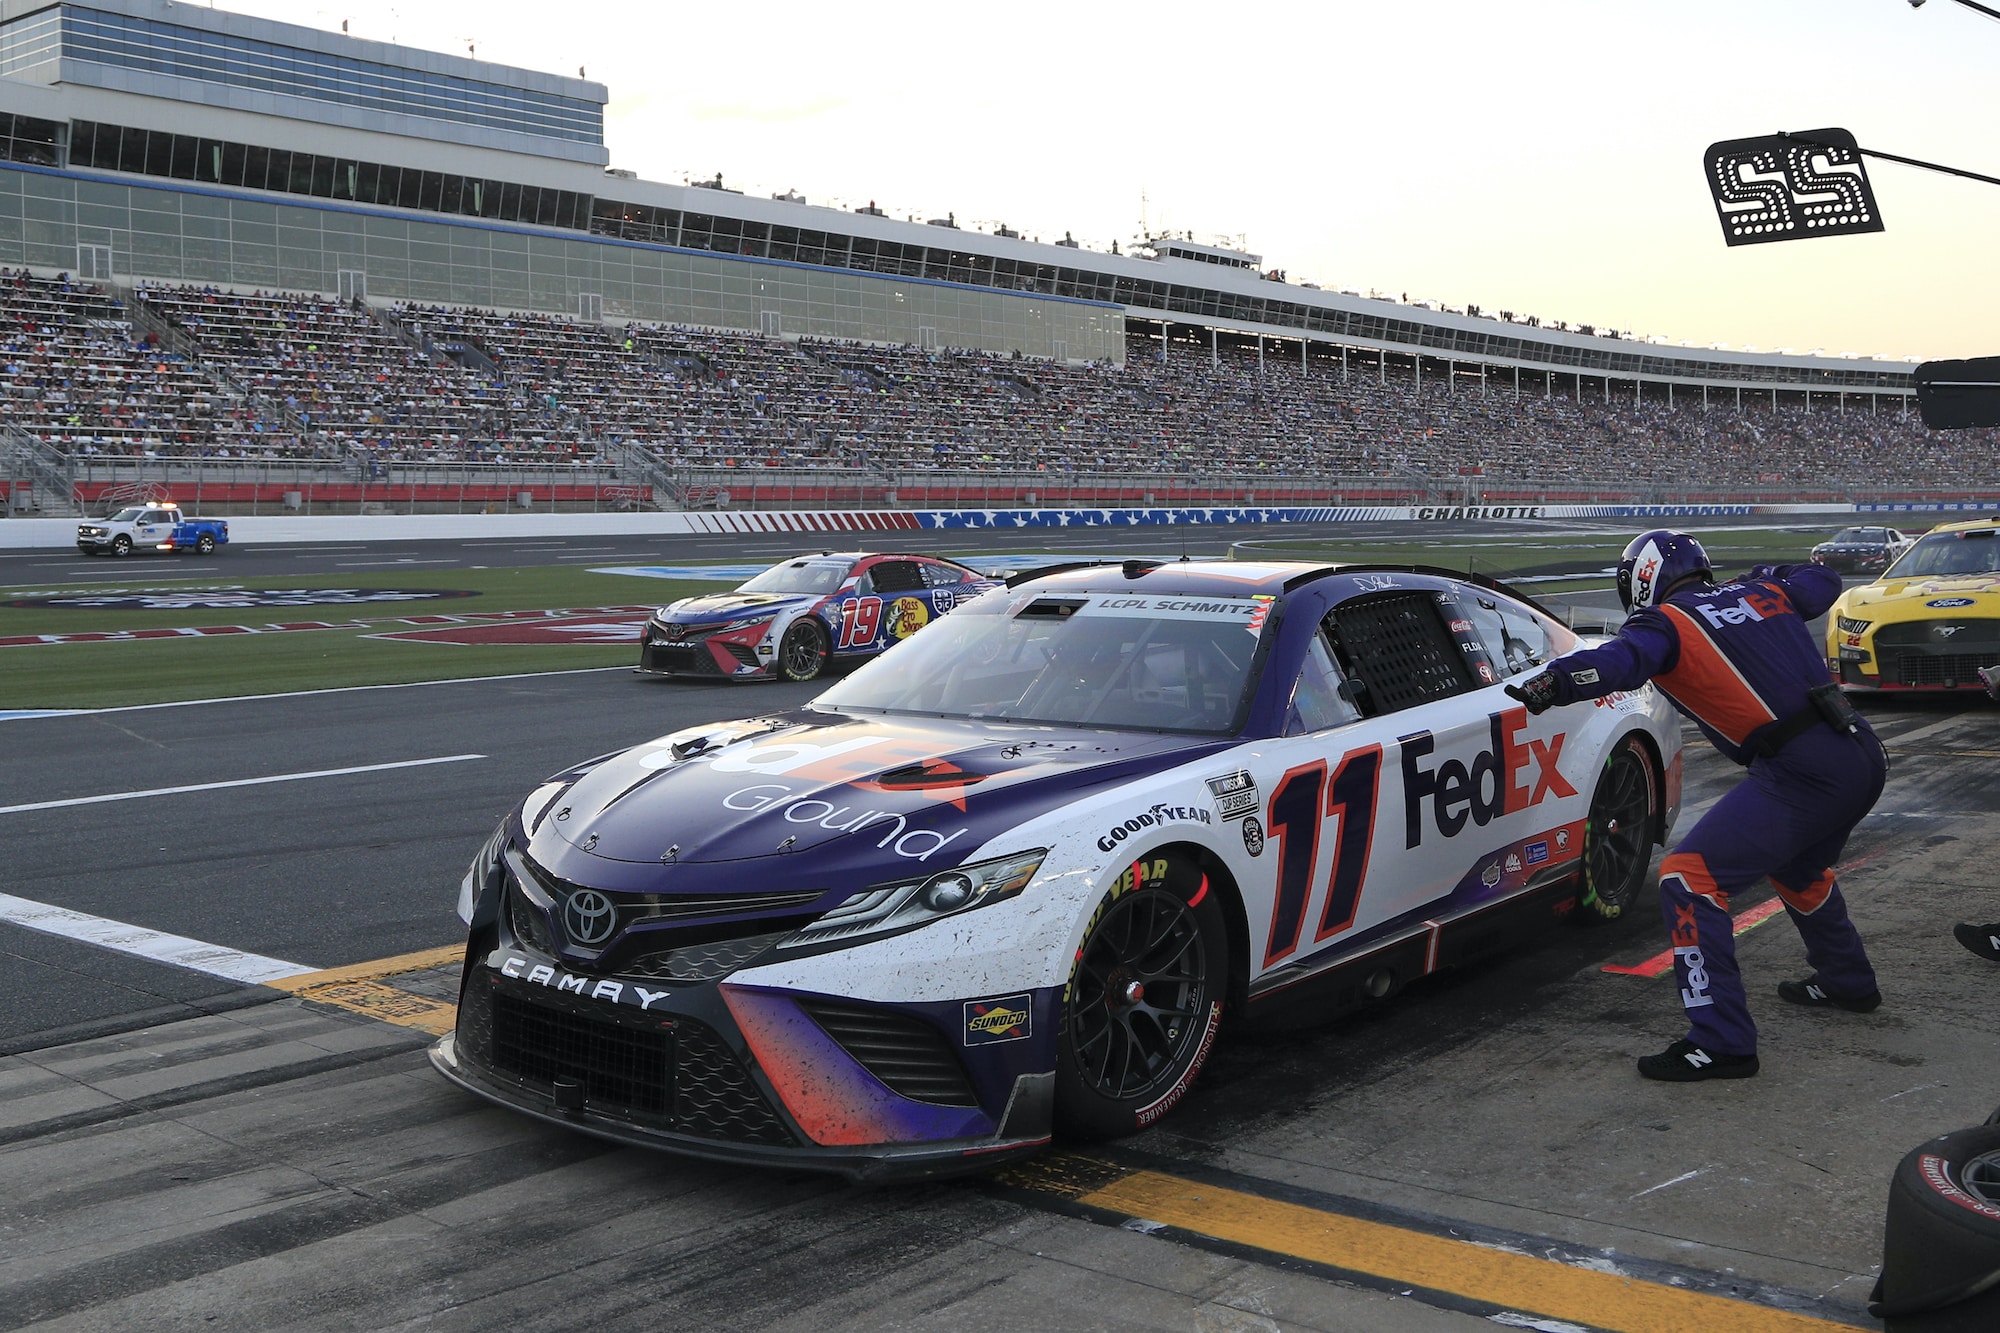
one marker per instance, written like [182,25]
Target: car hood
[827,789]
[731,605]
[1983,590]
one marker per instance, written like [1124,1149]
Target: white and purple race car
[1010,879]
[799,616]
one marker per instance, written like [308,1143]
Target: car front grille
[1945,670]
[682,659]
[911,1057]
[677,1073]
[628,1068]
[699,962]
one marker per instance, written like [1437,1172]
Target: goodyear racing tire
[121,545]
[1619,834]
[205,544]
[1941,1239]
[803,652]
[1144,1000]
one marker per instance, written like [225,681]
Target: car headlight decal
[1849,625]
[908,903]
[479,891]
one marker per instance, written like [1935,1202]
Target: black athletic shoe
[1815,996]
[1982,940]
[1685,1062]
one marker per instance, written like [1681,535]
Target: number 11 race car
[798,616]
[1008,880]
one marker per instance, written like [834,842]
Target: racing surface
[184,1150]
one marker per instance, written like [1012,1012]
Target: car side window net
[1397,652]
[894,576]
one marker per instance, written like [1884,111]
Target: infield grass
[143,671]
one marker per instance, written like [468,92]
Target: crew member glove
[1537,692]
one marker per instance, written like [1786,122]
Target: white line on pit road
[160,947]
[237,782]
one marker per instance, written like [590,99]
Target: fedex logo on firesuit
[1686,939]
[1495,784]
[1754,605]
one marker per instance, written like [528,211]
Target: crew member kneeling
[1739,659]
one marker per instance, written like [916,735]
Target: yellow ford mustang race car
[1927,623]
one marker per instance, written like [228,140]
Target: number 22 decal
[1294,816]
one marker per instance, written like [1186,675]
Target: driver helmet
[1654,562]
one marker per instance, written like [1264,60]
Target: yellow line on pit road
[359,989]
[1513,1281]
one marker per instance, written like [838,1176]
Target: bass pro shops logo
[1496,783]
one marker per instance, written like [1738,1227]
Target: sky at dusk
[1543,156]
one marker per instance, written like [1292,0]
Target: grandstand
[329,270]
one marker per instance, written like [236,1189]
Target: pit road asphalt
[278,1166]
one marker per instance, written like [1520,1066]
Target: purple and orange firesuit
[1738,658]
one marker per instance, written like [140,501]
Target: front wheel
[802,653]
[1618,839]
[121,545]
[1144,1000]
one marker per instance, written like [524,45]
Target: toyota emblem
[588,916]
[676,632]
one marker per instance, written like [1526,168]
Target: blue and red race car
[799,616]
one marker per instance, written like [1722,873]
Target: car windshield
[1975,552]
[131,515]
[1860,536]
[1089,659]
[820,576]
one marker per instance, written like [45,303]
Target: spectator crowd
[193,372]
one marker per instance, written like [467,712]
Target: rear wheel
[1618,838]
[1143,1002]
[205,544]
[802,653]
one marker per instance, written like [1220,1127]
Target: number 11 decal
[1294,817]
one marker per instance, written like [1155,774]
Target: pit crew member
[1737,657]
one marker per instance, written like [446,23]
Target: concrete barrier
[262,530]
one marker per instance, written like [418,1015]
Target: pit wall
[29,533]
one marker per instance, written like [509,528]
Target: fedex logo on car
[1495,783]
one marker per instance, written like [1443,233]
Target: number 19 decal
[1295,815]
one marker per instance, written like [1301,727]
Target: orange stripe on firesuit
[1708,684]
[1691,868]
[1812,897]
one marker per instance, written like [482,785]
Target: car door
[889,606]
[1542,762]
[151,529]
[1380,726]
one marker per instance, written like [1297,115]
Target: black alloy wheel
[1618,838]
[1143,1002]
[802,653]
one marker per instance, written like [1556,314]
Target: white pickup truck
[156,526]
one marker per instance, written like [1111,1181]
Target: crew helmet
[1656,561]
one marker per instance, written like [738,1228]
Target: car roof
[1969,525]
[871,555]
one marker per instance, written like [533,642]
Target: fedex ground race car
[1009,879]
[794,619]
